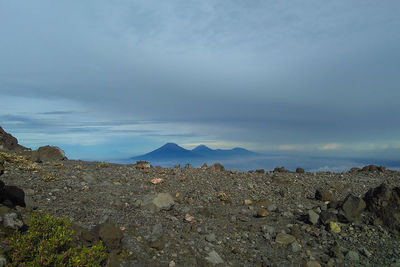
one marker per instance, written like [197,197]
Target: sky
[113,79]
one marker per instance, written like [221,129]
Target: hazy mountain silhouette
[171,151]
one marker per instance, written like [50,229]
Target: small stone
[157,180]
[3,260]
[352,255]
[247,202]
[334,227]
[157,244]
[11,221]
[326,217]
[214,258]
[366,252]
[285,239]
[272,207]
[90,179]
[313,217]
[163,201]
[262,212]
[189,218]
[211,237]
[296,247]
[312,264]
[29,192]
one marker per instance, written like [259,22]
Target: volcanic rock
[384,201]
[9,142]
[11,221]
[352,208]
[110,235]
[1,166]
[217,167]
[300,170]
[142,165]
[373,168]
[48,153]
[11,195]
[324,195]
[280,169]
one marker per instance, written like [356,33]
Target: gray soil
[203,219]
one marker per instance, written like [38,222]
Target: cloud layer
[264,74]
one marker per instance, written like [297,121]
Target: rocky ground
[214,217]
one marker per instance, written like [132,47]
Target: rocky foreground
[210,216]
[206,216]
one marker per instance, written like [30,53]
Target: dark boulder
[260,171]
[280,169]
[110,234]
[142,165]
[373,168]
[217,167]
[11,196]
[351,209]
[326,217]
[384,201]
[324,195]
[1,166]
[9,142]
[48,153]
[300,170]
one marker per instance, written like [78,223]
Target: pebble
[312,264]
[334,227]
[11,221]
[163,201]
[313,217]
[211,237]
[214,258]
[352,255]
[285,239]
[262,212]
[296,247]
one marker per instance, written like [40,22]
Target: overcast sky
[120,78]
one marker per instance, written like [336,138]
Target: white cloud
[331,146]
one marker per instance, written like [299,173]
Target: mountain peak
[202,148]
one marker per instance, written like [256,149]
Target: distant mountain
[202,149]
[167,151]
[172,151]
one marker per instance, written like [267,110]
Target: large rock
[373,168]
[1,166]
[324,195]
[9,142]
[384,201]
[11,196]
[352,208]
[163,201]
[48,153]
[110,234]
[217,167]
[11,220]
[280,169]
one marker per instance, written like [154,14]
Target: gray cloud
[262,71]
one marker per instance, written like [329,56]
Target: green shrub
[103,164]
[49,242]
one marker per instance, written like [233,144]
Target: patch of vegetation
[49,242]
[20,162]
[50,177]
[223,196]
[103,164]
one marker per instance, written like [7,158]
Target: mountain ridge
[172,151]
